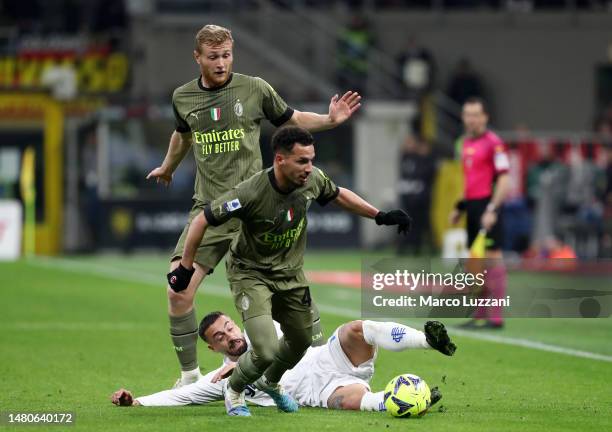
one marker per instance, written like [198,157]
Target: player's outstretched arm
[177,149]
[179,278]
[340,110]
[353,203]
[193,394]
[202,392]
[123,397]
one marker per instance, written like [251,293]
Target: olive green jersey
[272,236]
[225,124]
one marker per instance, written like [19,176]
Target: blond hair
[212,35]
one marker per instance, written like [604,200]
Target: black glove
[395,217]
[179,278]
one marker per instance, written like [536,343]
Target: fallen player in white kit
[335,375]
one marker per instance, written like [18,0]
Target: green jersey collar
[274,184]
[225,84]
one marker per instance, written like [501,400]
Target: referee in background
[485,167]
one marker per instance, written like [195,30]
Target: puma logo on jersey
[195,115]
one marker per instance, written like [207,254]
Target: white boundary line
[527,343]
[123,275]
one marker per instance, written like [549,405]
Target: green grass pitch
[73,330]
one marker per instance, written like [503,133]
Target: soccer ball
[407,396]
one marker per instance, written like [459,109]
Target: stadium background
[84,115]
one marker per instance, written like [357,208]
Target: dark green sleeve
[181,125]
[229,205]
[327,189]
[275,108]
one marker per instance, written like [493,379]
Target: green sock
[184,333]
[318,338]
[264,348]
[291,349]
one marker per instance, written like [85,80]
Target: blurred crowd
[562,186]
[67,17]
[510,5]
[560,204]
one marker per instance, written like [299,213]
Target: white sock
[393,336]
[191,375]
[373,401]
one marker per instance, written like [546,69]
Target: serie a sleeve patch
[233,205]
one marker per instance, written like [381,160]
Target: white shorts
[322,370]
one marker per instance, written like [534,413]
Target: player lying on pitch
[335,375]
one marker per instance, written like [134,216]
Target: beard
[215,79]
[298,181]
[237,347]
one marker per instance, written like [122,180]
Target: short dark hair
[285,138]
[207,321]
[477,100]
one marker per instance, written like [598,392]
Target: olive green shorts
[287,300]
[214,244]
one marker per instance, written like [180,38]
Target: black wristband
[185,270]
[179,278]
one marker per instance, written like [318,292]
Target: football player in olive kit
[218,115]
[264,266]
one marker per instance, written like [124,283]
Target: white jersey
[311,382]
[201,392]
